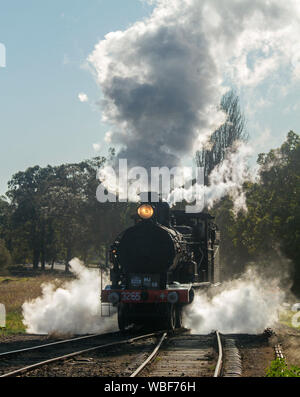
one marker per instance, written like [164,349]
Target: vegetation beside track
[280,369]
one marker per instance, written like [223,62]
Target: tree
[53,214]
[224,137]
[5,258]
[269,232]
[28,195]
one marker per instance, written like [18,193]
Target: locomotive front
[153,269]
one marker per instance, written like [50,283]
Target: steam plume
[74,308]
[226,178]
[246,305]
[163,77]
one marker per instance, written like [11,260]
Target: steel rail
[77,353]
[39,347]
[220,356]
[143,365]
[155,351]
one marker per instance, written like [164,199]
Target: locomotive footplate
[178,295]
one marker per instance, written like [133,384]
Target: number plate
[130,296]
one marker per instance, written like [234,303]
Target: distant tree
[53,214]
[5,220]
[28,195]
[5,258]
[224,137]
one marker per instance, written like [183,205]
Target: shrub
[279,368]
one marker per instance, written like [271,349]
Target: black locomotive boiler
[159,262]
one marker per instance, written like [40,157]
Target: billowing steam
[226,178]
[160,85]
[72,309]
[246,305]
[163,78]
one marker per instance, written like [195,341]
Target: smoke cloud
[227,178]
[246,305]
[72,309]
[162,79]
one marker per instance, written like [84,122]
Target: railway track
[186,350]
[22,361]
[184,355]
[158,354]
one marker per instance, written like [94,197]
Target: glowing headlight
[145,211]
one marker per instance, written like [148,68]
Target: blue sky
[42,120]
[47,42]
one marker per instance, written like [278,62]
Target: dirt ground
[289,338]
[255,360]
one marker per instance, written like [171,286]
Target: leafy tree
[52,214]
[271,226]
[27,193]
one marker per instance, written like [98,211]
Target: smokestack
[150,197]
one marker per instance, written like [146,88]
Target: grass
[14,291]
[14,324]
[279,369]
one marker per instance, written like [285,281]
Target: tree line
[268,234]
[51,214]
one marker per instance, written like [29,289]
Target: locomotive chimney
[150,197]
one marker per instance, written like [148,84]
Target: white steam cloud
[73,308]
[160,85]
[162,78]
[247,305]
[227,178]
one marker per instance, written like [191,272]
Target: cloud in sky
[162,78]
[97,147]
[83,97]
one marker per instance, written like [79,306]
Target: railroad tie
[232,363]
[278,351]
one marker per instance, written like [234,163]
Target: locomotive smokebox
[146,248]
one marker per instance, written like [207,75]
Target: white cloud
[291,108]
[97,147]
[83,97]
[107,137]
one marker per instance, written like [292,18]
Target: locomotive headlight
[113,297]
[172,297]
[145,211]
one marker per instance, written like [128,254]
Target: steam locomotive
[159,262]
